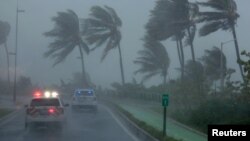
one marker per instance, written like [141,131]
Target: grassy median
[151,130]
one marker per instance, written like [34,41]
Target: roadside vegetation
[149,129]
[202,94]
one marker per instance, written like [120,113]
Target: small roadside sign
[165,100]
[164,104]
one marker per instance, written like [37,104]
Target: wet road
[81,126]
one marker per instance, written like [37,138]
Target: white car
[84,99]
[45,110]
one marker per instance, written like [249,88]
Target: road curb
[188,128]
[135,129]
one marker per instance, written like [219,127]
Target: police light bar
[46,94]
[49,94]
[54,94]
[37,94]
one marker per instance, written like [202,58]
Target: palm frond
[153,59]
[54,47]
[115,17]
[210,28]
[97,24]
[97,38]
[109,46]
[212,16]
[113,42]
[101,14]
[103,28]
[61,55]
[66,32]
[223,16]
[212,4]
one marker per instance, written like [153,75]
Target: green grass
[151,130]
[155,120]
[4,112]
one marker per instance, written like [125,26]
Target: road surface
[82,126]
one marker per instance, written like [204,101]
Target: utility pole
[15,79]
[221,67]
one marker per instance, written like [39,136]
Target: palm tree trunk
[191,45]
[164,79]
[182,59]
[178,49]
[121,65]
[237,50]
[8,64]
[84,79]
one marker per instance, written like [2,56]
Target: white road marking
[122,126]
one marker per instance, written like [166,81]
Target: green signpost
[165,100]
[164,104]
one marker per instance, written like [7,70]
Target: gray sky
[134,14]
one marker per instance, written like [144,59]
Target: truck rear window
[45,102]
[84,93]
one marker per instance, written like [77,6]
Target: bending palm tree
[153,60]
[173,19]
[223,17]
[215,69]
[191,25]
[103,27]
[4,32]
[67,36]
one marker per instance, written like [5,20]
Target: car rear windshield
[45,102]
[84,93]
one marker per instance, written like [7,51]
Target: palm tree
[191,26]
[4,32]
[214,70]
[194,70]
[195,77]
[153,60]
[174,19]
[67,35]
[224,16]
[103,27]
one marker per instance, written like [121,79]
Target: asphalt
[81,126]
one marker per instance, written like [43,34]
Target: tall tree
[153,60]
[103,28]
[4,32]
[191,26]
[67,35]
[215,64]
[174,19]
[194,81]
[222,16]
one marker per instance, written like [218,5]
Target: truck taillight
[51,110]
